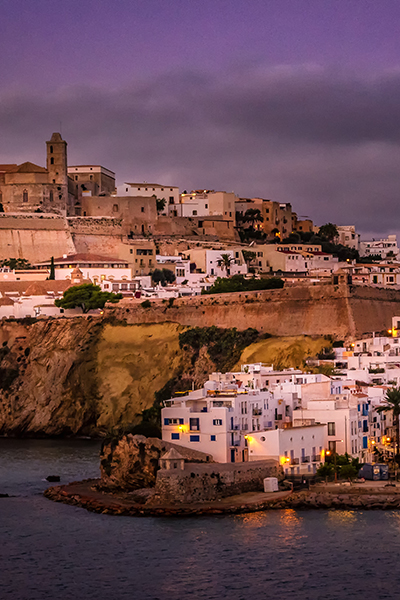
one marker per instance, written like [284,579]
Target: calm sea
[53,551]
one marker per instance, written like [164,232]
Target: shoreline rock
[86,495]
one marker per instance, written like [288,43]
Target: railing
[316,458]
[257,412]
[236,443]
[294,461]
[305,459]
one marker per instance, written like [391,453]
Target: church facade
[31,188]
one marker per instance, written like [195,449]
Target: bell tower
[57,170]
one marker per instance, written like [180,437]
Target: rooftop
[83,258]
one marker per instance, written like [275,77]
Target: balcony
[236,443]
[316,458]
[294,461]
[257,412]
[305,459]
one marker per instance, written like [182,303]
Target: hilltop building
[91,180]
[31,188]
[169,193]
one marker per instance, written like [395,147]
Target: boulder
[131,462]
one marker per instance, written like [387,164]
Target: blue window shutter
[213,438]
[194,438]
[180,421]
[166,421]
[174,436]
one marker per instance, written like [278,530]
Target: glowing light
[328,452]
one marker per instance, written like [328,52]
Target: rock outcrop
[132,461]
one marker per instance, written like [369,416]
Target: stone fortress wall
[321,309]
[207,482]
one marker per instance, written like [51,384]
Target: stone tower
[57,168]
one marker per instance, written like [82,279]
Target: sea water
[54,551]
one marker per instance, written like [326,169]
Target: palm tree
[252,216]
[392,404]
[224,262]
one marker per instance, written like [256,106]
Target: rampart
[321,309]
[207,482]
[34,237]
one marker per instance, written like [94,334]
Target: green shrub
[146,304]
[238,283]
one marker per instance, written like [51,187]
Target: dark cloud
[326,141]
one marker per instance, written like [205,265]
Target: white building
[300,450]
[204,203]
[169,193]
[206,261]
[386,247]
[223,417]
[348,236]
[93,267]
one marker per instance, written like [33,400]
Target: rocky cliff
[90,376]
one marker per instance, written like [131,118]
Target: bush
[348,472]
[237,283]
[146,304]
[326,471]
[224,345]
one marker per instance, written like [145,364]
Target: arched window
[25,196]
[51,149]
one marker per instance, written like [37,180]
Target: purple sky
[294,100]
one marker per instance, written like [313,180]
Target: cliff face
[82,376]
[89,376]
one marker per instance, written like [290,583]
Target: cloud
[324,140]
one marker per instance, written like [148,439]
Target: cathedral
[30,188]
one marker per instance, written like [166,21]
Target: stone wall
[34,237]
[205,482]
[320,309]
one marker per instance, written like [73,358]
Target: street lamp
[328,452]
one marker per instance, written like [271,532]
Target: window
[115,208]
[131,251]
[217,422]
[76,177]
[194,213]
[194,424]
[51,196]
[52,160]
[142,209]
[213,438]
[171,200]
[174,436]
[194,438]
[331,429]
[51,149]
[25,196]
[91,177]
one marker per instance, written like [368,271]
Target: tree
[163,276]
[86,296]
[224,262]
[15,263]
[392,404]
[328,231]
[249,256]
[160,202]
[52,270]
[252,216]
